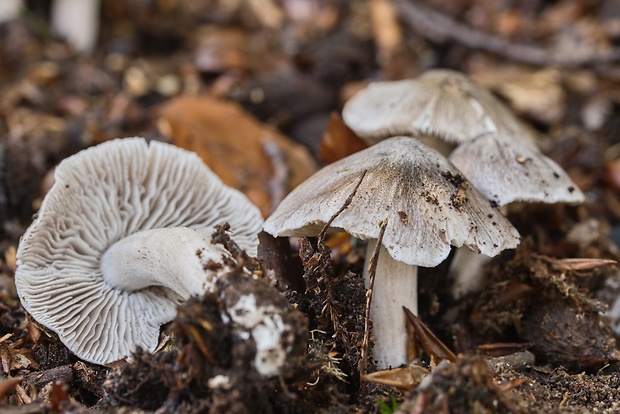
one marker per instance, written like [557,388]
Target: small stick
[438,27]
[372,271]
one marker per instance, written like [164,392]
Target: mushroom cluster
[123,237]
[427,206]
[494,150]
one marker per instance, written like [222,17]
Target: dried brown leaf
[245,154]
[338,141]
[403,378]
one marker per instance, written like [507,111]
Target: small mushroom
[10,9]
[428,205]
[120,239]
[442,103]
[77,21]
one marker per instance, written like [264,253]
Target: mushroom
[10,9]
[496,153]
[77,21]
[494,150]
[508,170]
[121,239]
[443,103]
[429,207]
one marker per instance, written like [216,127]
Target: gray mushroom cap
[442,103]
[506,171]
[102,195]
[429,205]
[490,140]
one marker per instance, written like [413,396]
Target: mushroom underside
[100,196]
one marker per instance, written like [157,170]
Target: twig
[346,203]
[440,28]
[372,272]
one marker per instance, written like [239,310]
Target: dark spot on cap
[455,179]
[571,189]
[403,217]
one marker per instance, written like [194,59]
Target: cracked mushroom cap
[441,103]
[430,206]
[101,196]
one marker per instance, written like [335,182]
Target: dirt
[293,76]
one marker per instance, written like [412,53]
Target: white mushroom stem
[77,21]
[467,272]
[10,9]
[176,258]
[396,285]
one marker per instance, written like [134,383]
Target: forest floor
[538,337]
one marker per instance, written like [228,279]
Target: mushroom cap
[428,203]
[450,106]
[101,195]
[526,174]
[442,103]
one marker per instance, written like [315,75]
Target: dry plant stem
[395,288]
[372,271]
[438,27]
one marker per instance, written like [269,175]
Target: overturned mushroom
[120,239]
[494,150]
[428,205]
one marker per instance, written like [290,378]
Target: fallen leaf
[339,141]
[403,378]
[432,345]
[247,155]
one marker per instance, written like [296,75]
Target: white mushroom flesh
[179,259]
[389,295]
[268,331]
